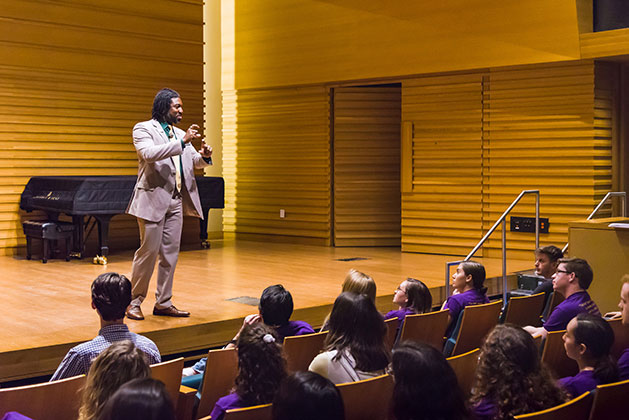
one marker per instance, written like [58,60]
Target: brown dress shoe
[170,311]
[135,313]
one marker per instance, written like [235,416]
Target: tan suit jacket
[156,173]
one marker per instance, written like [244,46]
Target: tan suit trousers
[161,239]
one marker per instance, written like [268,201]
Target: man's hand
[191,134]
[206,151]
[613,315]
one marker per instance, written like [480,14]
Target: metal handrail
[623,207]
[500,220]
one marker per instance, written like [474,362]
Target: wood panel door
[366,132]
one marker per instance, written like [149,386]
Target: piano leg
[205,244]
[103,238]
[78,240]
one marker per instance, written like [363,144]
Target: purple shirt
[623,365]
[485,410]
[456,303]
[568,309]
[583,381]
[14,415]
[399,313]
[225,403]
[293,328]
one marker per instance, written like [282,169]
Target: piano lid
[79,195]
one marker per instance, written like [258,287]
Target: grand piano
[101,198]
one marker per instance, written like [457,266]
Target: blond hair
[118,364]
[360,283]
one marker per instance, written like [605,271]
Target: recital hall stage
[46,307]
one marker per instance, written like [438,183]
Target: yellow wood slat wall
[540,132]
[442,211]
[342,40]
[367,166]
[76,76]
[276,155]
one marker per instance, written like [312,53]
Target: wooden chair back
[576,409]
[301,349]
[170,373]
[609,401]
[555,357]
[464,366]
[392,329]
[621,337]
[57,400]
[428,328]
[554,300]
[220,371]
[367,399]
[258,412]
[525,310]
[477,321]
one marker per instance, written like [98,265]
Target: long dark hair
[510,374]
[261,364]
[308,396]
[139,399]
[161,104]
[358,327]
[477,271]
[598,337]
[426,387]
[419,297]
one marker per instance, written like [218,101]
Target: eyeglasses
[564,271]
[400,290]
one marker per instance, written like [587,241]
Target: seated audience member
[261,369]
[139,399]
[426,387]
[588,340]
[510,378]
[275,310]
[623,361]
[111,294]
[308,396]
[413,297]
[354,348]
[115,366]
[572,279]
[546,262]
[468,287]
[355,282]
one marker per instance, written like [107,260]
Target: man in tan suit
[164,192]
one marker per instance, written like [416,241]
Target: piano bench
[47,231]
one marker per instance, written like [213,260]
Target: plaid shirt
[79,358]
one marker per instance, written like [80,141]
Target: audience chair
[220,371]
[609,401]
[576,409]
[464,366]
[57,400]
[554,300]
[428,328]
[301,349]
[368,399]
[555,358]
[170,374]
[524,310]
[392,329]
[621,337]
[258,412]
[476,322]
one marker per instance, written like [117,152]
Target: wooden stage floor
[47,308]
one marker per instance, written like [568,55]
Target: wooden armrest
[186,403]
